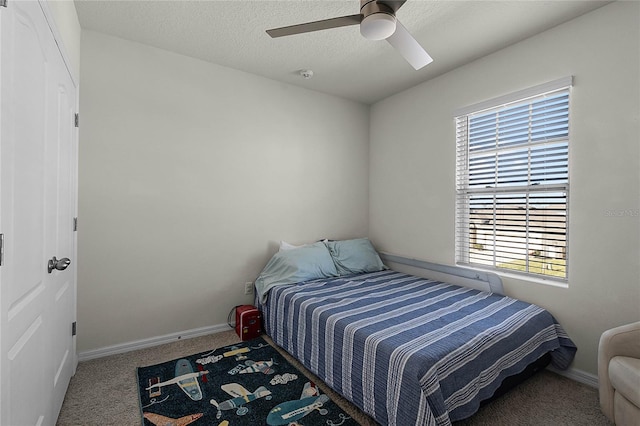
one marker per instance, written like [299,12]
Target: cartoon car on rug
[291,411]
[240,396]
[265,367]
[186,378]
[250,366]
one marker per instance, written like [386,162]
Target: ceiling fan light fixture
[378,26]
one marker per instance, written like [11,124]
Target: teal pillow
[309,262]
[355,256]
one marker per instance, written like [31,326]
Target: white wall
[412,168]
[190,174]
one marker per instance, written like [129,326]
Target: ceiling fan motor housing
[378,20]
[367,7]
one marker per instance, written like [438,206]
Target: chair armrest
[618,341]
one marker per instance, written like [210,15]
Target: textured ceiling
[232,34]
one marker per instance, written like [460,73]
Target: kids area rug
[245,384]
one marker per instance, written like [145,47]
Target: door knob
[59,264]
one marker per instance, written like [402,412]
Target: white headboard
[480,280]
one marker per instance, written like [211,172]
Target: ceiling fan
[377,20]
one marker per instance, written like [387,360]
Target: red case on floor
[248,324]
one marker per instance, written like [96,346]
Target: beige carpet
[103,392]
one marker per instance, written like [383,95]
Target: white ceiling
[232,34]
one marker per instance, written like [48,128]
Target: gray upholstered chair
[619,374]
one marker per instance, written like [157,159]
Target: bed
[405,349]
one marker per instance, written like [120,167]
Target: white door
[37,205]
[60,240]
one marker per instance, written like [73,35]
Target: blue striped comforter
[407,350]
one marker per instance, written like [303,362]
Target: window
[512,182]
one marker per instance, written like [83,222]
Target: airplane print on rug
[234,385]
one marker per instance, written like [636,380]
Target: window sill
[520,277]
[530,279]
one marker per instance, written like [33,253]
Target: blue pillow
[355,256]
[309,262]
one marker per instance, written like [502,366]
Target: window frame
[464,191]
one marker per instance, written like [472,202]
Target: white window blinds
[512,183]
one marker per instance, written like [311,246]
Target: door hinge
[77,116]
[75,224]
[73,328]
[1,249]
[3,3]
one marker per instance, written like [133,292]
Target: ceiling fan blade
[325,24]
[393,4]
[408,47]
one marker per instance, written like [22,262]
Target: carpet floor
[104,392]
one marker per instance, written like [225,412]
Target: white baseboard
[150,342]
[577,375]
